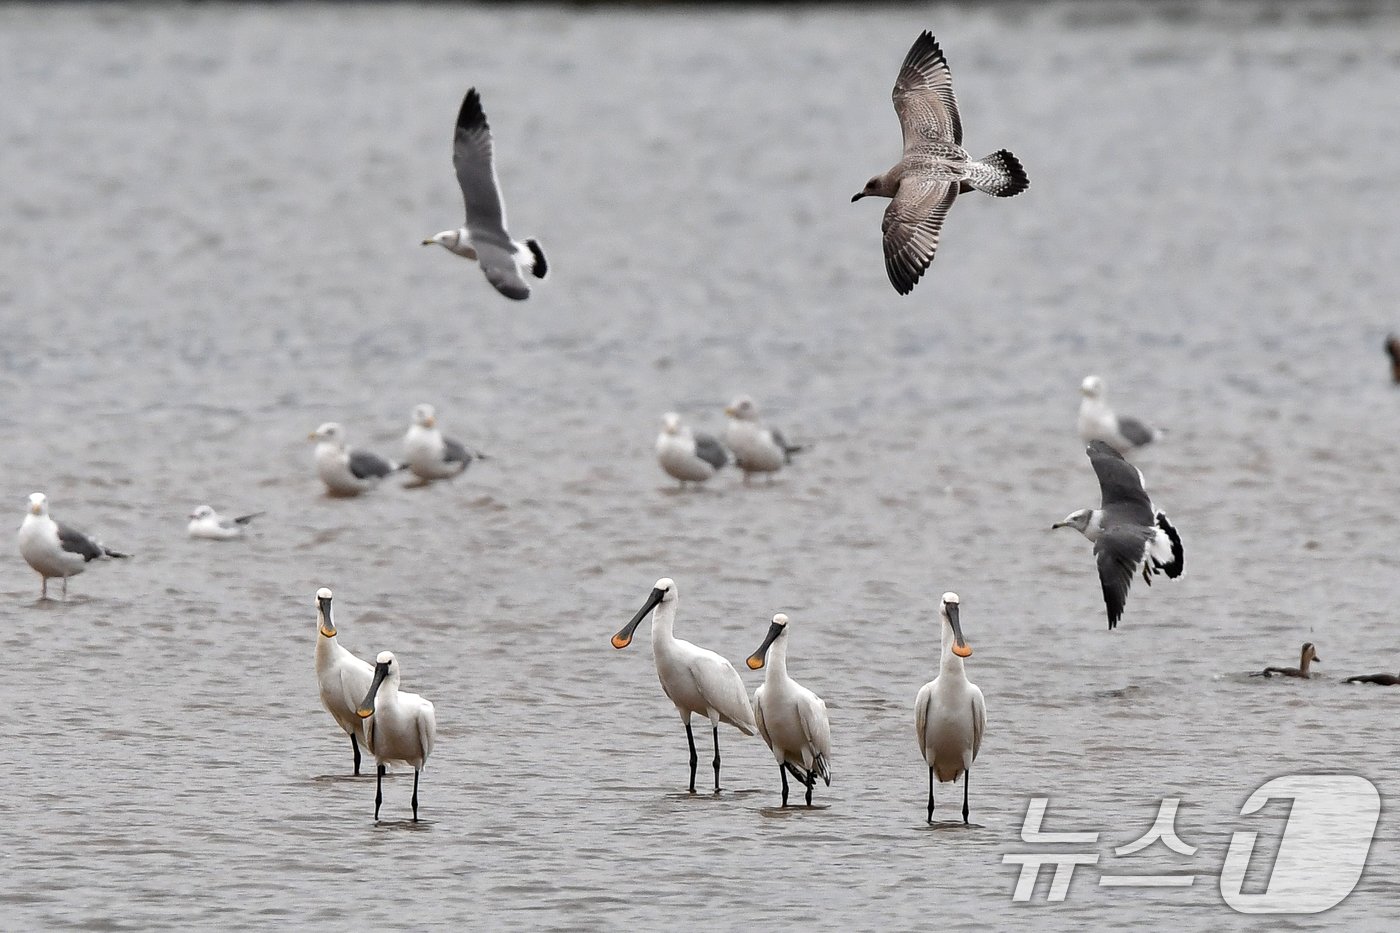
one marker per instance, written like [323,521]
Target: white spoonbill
[345,470]
[695,679]
[403,728]
[429,454]
[791,718]
[343,678]
[206,523]
[950,714]
[55,549]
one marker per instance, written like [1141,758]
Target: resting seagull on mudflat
[689,456]
[934,168]
[206,523]
[1130,536]
[1098,422]
[345,470]
[758,448]
[430,455]
[55,549]
[484,237]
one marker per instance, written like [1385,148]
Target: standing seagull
[206,523]
[484,237]
[695,679]
[791,718]
[55,549]
[949,713]
[1097,422]
[403,728]
[687,455]
[757,447]
[344,470]
[934,169]
[430,455]
[343,678]
[1130,536]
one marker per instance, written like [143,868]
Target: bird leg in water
[43,587]
[355,747]
[782,772]
[930,794]
[811,782]
[415,797]
[378,792]
[967,779]
[716,728]
[694,759]
[65,589]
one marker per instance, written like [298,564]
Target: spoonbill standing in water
[791,718]
[695,679]
[343,678]
[950,714]
[403,728]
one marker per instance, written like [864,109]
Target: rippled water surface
[210,246]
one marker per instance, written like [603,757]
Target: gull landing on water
[934,169]
[54,549]
[484,238]
[950,714]
[1130,536]
[694,679]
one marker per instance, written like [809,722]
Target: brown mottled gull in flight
[484,237]
[934,169]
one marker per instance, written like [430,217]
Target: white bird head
[1091,387]
[447,238]
[1078,520]
[328,433]
[386,667]
[949,611]
[742,408]
[424,416]
[38,504]
[324,621]
[776,630]
[663,592]
[202,512]
[671,423]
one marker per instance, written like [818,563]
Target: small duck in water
[1308,656]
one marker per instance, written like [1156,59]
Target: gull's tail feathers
[999,174]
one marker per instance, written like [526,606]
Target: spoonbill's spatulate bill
[949,713]
[206,523]
[689,456]
[343,679]
[430,455]
[758,448]
[1305,660]
[934,169]
[54,549]
[345,470]
[1130,536]
[403,727]
[791,718]
[1099,422]
[484,236]
[695,679]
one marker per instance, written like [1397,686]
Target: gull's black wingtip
[471,116]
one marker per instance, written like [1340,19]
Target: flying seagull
[484,237]
[54,549]
[1130,536]
[934,168]
[1098,422]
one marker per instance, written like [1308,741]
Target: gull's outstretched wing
[911,227]
[923,96]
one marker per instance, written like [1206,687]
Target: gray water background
[210,246]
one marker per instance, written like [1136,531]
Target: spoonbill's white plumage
[345,470]
[791,718]
[206,523]
[430,455]
[343,678]
[695,679]
[403,727]
[758,448]
[1099,422]
[949,713]
[689,456]
[54,549]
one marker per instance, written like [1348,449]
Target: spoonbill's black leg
[967,779]
[694,759]
[716,728]
[930,794]
[355,747]
[782,772]
[415,795]
[811,782]
[378,792]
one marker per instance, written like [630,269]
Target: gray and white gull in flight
[934,169]
[483,237]
[1130,536]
